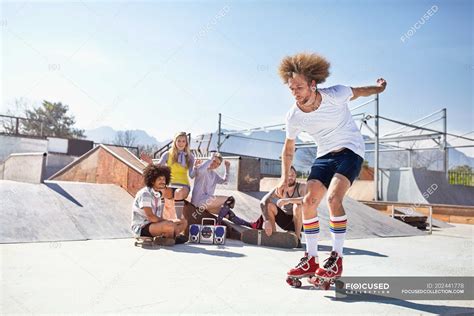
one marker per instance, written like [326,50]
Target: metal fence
[14,125]
[461,178]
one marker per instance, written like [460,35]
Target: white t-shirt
[146,197]
[331,125]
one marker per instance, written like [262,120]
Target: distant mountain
[106,134]
[102,134]
[269,144]
[458,158]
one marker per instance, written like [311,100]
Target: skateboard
[277,239]
[143,241]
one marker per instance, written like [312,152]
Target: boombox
[207,234]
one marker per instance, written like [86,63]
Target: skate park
[94,93]
[81,212]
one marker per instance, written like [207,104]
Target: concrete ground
[113,276]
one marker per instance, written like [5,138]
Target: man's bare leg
[180,226]
[272,212]
[314,194]
[298,219]
[337,215]
[163,228]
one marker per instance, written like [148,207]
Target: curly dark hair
[153,172]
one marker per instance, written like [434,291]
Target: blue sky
[165,66]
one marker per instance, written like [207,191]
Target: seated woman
[181,162]
[147,220]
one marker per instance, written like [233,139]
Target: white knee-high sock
[337,226]
[311,233]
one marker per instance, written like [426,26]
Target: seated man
[205,181]
[285,212]
[147,220]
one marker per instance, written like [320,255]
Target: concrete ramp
[60,211]
[421,186]
[445,193]
[63,210]
[106,164]
[363,221]
[362,190]
[25,167]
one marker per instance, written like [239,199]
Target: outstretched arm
[163,159]
[221,180]
[282,202]
[287,158]
[369,90]
[297,201]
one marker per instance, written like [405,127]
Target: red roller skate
[307,267]
[329,274]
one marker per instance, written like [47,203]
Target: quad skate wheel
[325,286]
[289,281]
[297,284]
[339,284]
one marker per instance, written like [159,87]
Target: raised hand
[382,83]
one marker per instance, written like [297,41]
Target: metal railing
[157,154]
[461,178]
[14,125]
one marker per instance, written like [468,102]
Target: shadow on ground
[426,308]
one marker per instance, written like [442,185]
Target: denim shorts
[344,162]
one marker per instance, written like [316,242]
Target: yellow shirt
[179,174]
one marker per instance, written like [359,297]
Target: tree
[51,119]
[462,169]
[127,139]
[305,156]
[429,159]
[149,149]
[12,125]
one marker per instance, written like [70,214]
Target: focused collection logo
[367,288]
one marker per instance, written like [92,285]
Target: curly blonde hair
[311,66]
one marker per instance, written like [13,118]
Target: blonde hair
[174,149]
[311,66]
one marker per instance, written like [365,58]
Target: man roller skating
[324,114]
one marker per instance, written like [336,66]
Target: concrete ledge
[25,167]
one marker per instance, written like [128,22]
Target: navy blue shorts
[345,162]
